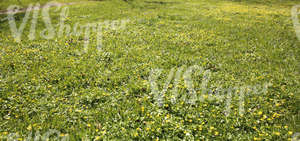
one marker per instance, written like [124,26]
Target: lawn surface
[4,4]
[46,84]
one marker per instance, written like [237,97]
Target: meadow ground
[46,84]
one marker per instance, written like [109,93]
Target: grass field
[4,4]
[106,95]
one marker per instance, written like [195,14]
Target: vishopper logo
[62,29]
[205,92]
[296,137]
[187,76]
[51,134]
[295,12]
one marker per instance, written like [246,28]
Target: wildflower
[277,133]
[216,133]
[62,135]
[29,127]
[264,117]
[143,108]
[200,128]
[166,105]
[168,116]
[256,139]
[290,132]
[97,138]
[88,125]
[158,129]
[275,115]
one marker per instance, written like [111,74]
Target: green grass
[4,4]
[45,85]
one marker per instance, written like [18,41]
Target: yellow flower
[62,135]
[260,113]
[143,109]
[275,115]
[88,125]
[158,129]
[29,127]
[277,133]
[168,116]
[264,117]
[200,127]
[256,139]
[97,138]
[216,133]
[261,134]
[290,132]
